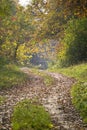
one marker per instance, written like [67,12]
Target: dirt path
[60,107]
[56,100]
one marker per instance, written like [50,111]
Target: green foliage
[7,7]
[79,98]
[52,16]
[75,42]
[10,75]
[79,71]
[29,115]
[16,32]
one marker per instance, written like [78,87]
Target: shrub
[74,42]
[30,116]
[79,98]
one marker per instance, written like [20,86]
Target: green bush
[74,42]
[79,98]
[30,116]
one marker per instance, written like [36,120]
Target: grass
[48,80]
[10,75]
[79,98]
[78,71]
[79,90]
[30,115]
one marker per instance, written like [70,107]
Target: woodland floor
[56,99]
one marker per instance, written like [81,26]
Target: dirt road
[56,99]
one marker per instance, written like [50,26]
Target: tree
[77,8]
[75,42]
[57,14]
[16,35]
[7,7]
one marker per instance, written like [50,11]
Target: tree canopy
[21,28]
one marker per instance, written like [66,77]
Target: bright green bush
[74,43]
[79,98]
[30,116]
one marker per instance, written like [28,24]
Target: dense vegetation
[29,115]
[74,43]
[22,30]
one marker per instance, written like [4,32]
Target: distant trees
[7,7]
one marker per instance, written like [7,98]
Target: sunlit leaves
[17,32]
[8,49]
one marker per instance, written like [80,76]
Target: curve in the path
[58,103]
[56,99]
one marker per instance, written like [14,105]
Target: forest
[43,65]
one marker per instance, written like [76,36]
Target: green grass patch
[79,98]
[30,115]
[10,75]
[78,71]
[48,80]
[79,90]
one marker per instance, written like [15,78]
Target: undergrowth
[10,75]
[30,115]
[79,98]
[77,71]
